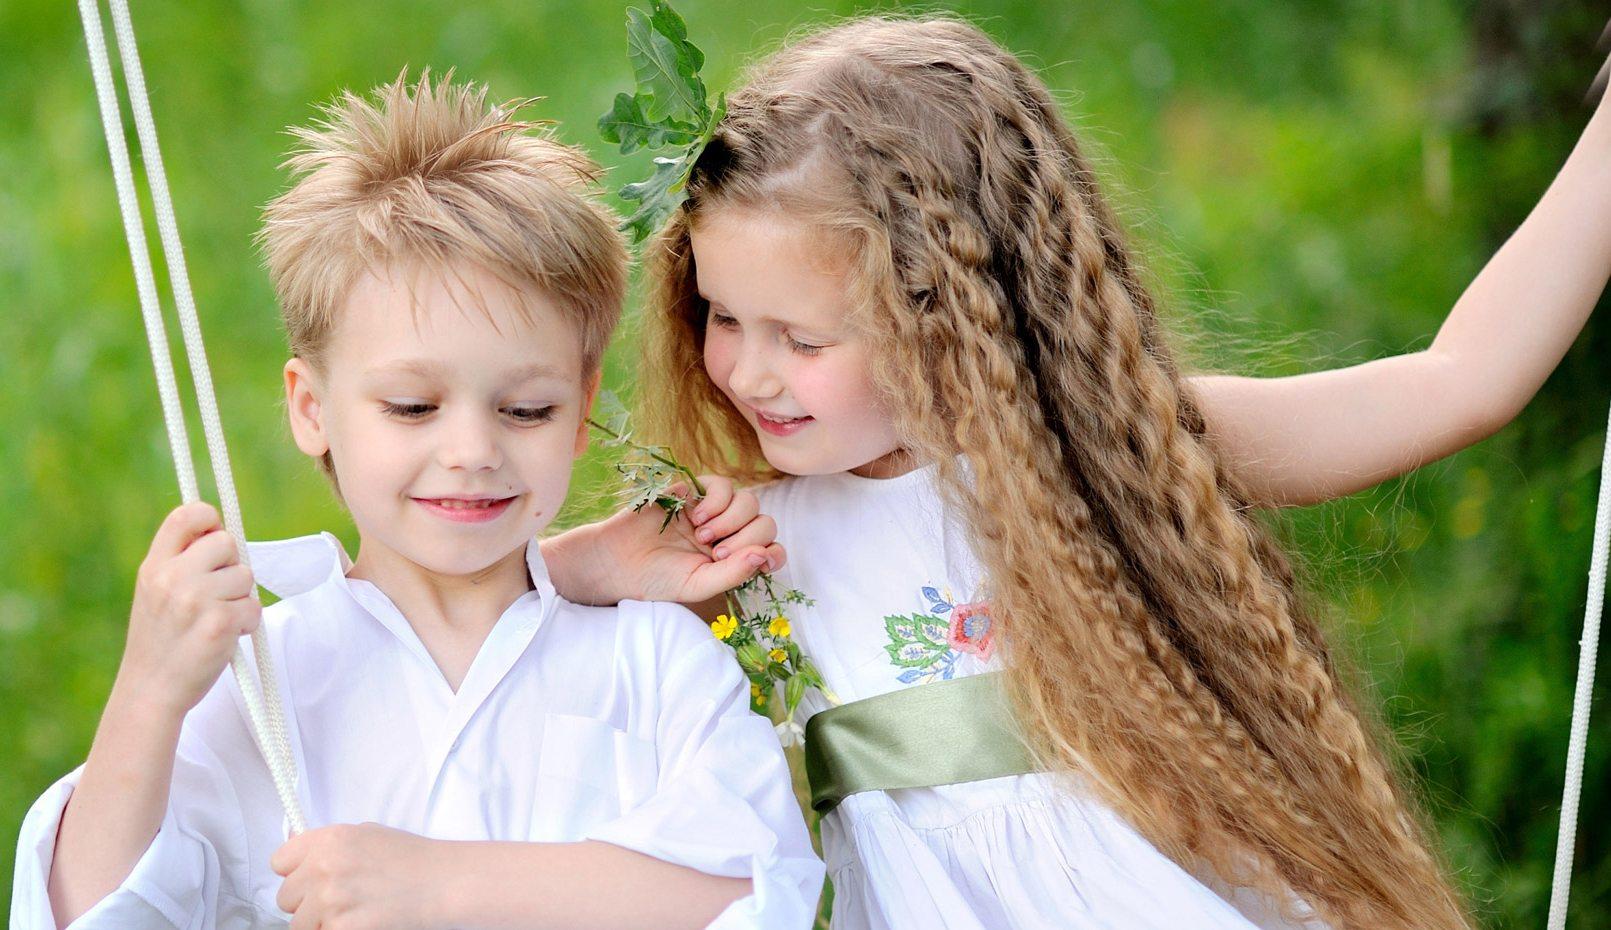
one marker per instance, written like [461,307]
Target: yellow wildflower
[780,627]
[724,626]
[777,655]
[755,693]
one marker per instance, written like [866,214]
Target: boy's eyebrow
[426,368]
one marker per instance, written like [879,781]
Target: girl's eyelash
[723,321]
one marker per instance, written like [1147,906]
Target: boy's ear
[303,405]
[592,394]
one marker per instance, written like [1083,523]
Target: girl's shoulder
[776,491]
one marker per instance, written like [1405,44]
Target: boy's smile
[466,509]
[453,407]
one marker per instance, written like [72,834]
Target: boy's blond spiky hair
[431,173]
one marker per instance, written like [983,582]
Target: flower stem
[699,489]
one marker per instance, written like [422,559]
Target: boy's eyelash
[520,414]
[407,411]
[530,414]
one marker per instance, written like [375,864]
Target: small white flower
[790,733]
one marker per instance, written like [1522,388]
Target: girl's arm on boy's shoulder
[717,544]
[1313,437]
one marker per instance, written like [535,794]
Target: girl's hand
[192,602]
[715,545]
[359,877]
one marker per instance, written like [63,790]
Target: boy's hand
[359,877]
[192,602]
[715,545]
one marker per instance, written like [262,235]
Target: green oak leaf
[658,195]
[666,65]
[627,126]
[668,109]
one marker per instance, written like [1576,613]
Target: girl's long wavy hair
[1155,641]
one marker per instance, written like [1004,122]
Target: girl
[914,306]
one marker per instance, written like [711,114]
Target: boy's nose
[470,444]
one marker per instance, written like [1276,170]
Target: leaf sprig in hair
[669,108]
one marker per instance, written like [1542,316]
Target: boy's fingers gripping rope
[264,710]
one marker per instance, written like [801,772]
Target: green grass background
[1313,184]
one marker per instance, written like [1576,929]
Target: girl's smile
[781,426]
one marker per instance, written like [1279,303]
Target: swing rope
[1588,646]
[261,694]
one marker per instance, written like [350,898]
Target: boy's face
[452,417]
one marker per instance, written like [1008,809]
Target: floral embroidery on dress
[927,646]
[973,630]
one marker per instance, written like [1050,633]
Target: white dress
[897,590]
[629,725]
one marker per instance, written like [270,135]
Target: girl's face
[453,423]
[778,344]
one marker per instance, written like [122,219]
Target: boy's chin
[461,562]
[444,552]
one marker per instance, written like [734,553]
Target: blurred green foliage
[1314,183]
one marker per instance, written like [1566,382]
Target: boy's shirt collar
[288,567]
[291,567]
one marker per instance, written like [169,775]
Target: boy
[492,755]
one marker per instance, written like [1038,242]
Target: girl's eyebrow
[768,318]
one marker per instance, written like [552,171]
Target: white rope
[266,716]
[1588,646]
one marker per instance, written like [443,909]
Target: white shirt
[629,725]
[900,602]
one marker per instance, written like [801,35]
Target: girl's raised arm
[1313,437]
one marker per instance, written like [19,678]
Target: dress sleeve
[724,803]
[177,881]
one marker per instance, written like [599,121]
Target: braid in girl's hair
[1156,647]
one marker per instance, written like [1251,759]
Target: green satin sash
[943,733]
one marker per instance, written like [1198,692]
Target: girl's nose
[752,377]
